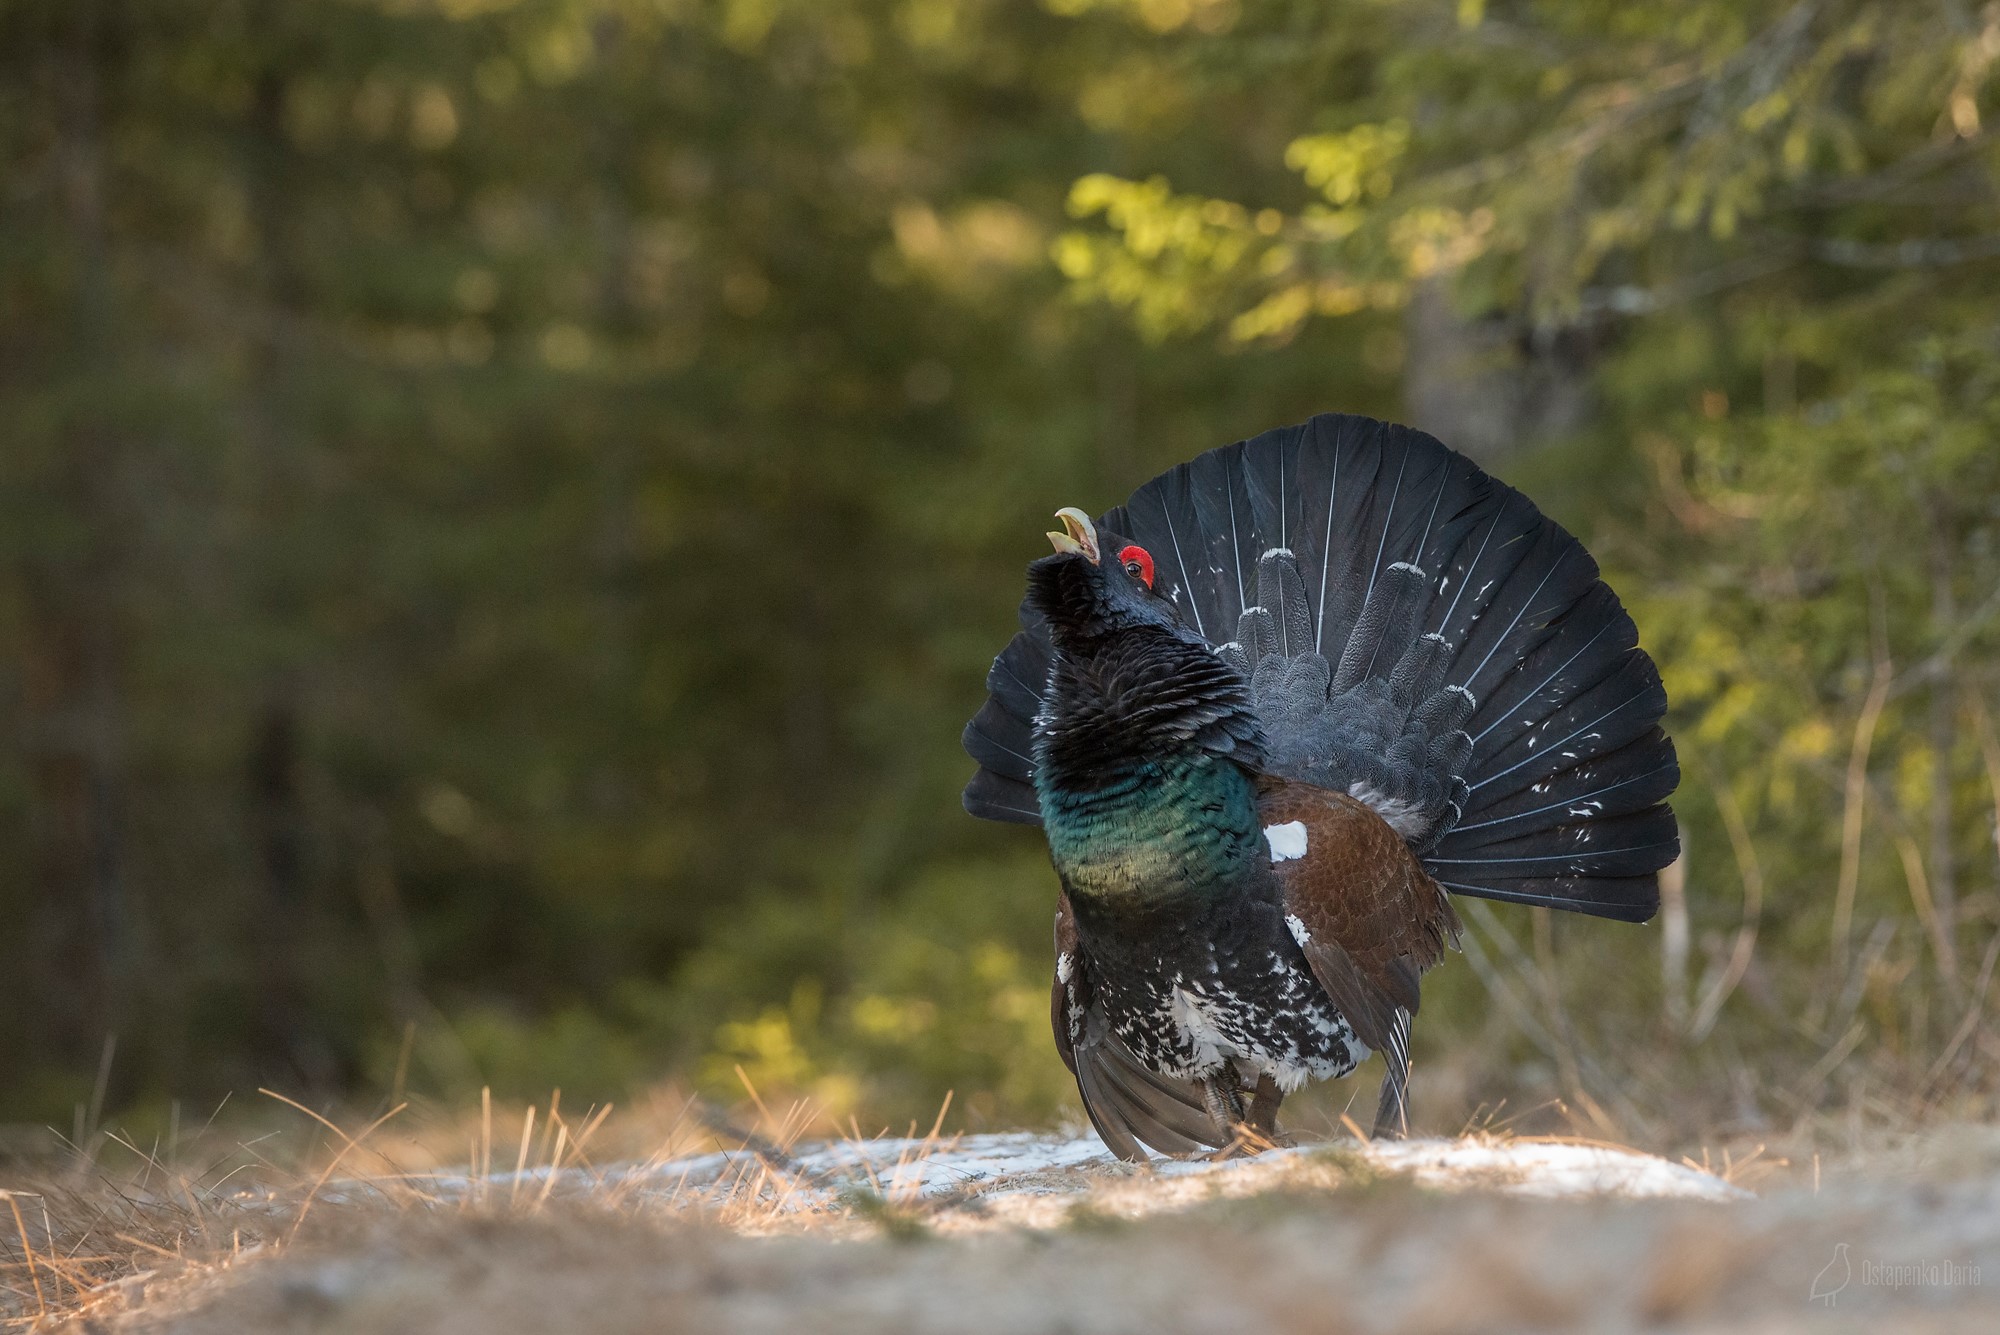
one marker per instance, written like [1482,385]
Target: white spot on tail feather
[1287,841]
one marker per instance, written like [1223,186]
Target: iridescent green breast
[1185,824]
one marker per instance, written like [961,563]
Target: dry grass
[505,1220]
[106,1219]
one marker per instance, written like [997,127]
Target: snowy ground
[1027,1233]
[1029,1180]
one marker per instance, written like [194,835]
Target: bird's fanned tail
[1001,735]
[1420,636]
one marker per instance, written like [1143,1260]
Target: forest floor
[1038,1233]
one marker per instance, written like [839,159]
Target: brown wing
[1368,916]
[1127,1103]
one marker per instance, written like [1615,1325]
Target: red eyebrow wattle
[1144,559]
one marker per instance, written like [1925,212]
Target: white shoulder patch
[1298,930]
[1287,841]
[1064,967]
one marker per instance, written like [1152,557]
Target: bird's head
[1089,599]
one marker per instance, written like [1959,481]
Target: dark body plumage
[1347,672]
[1144,774]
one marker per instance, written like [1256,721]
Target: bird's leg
[1224,1098]
[1223,1095]
[1263,1116]
[1244,1133]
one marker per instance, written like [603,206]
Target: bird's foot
[1245,1141]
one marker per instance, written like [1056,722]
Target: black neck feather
[1118,703]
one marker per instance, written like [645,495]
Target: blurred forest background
[505,506]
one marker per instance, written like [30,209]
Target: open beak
[1079,535]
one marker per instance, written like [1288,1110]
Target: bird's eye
[1138,563]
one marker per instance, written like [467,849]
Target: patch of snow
[1550,1169]
[1026,1179]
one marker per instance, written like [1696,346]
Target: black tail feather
[1392,1103]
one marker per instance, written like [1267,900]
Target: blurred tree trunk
[76,780]
[73,727]
[281,919]
[1490,385]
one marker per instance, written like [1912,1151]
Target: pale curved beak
[1079,535]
